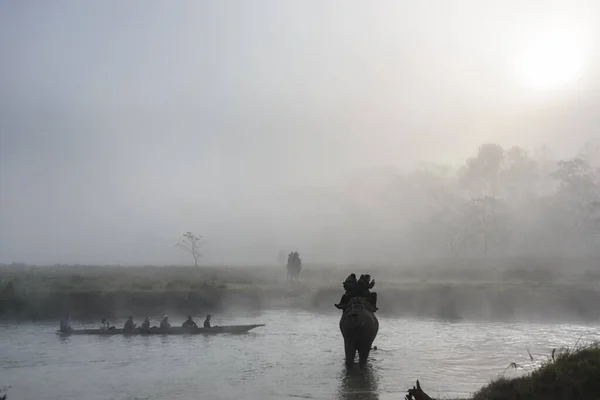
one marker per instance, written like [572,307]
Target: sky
[125,124]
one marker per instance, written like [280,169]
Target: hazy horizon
[269,126]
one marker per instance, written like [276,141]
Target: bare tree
[192,244]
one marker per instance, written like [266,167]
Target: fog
[272,126]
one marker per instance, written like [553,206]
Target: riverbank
[568,374]
[89,292]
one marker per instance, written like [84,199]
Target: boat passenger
[65,324]
[146,323]
[189,323]
[207,321]
[164,324]
[105,325]
[129,325]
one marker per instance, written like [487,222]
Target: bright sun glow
[551,60]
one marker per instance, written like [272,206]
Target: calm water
[297,355]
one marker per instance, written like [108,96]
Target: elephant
[359,327]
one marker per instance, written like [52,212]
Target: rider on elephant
[358,288]
[350,283]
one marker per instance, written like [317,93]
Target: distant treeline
[499,202]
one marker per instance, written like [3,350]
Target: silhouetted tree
[578,190]
[192,244]
[486,219]
[294,266]
[519,175]
[481,173]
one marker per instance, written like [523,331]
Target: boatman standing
[65,324]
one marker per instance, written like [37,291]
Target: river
[296,355]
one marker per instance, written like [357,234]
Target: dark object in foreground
[358,324]
[359,327]
[416,393]
[569,374]
[171,331]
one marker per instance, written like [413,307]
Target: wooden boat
[231,329]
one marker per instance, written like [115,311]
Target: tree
[480,174]
[519,175]
[578,190]
[449,220]
[192,244]
[486,219]
[294,266]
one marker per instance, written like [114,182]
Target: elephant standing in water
[359,327]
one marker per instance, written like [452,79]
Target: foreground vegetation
[569,374]
[434,290]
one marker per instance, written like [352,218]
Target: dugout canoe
[232,329]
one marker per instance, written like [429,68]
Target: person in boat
[164,324]
[207,322]
[129,325]
[65,324]
[146,323]
[189,323]
[105,325]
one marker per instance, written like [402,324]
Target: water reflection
[358,384]
[63,338]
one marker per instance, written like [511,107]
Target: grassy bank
[568,374]
[426,290]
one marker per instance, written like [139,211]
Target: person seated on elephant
[343,301]
[362,288]
[361,285]
[369,282]
[345,298]
[364,284]
[350,286]
[146,323]
[350,283]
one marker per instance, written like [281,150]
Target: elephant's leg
[363,354]
[350,350]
